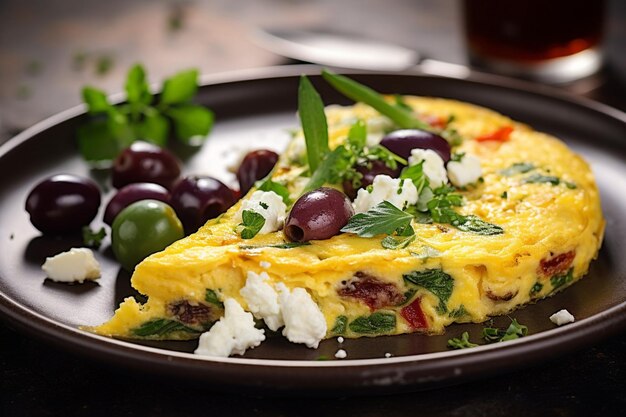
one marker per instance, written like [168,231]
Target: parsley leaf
[434,280]
[397,242]
[462,343]
[385,218]
[252,223]
[93,239]
[314,125]
[477,225]
[514,331]
[331,170]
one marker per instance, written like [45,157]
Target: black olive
[402,142]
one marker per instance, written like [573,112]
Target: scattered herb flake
[560,280]
[514,331]
[462,343]
[518,168]
[93,239]
[542,179]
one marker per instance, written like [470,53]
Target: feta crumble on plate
[75,265]
[233,334]
[562,317]
[341,354]
[269,205]
[397,191]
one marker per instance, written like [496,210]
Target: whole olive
[318,214]
[255,166]
[131,193]
[63,203]
[368,173]
[145,162]
[197,199]
[402,142]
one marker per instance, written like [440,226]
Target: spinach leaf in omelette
[434,280]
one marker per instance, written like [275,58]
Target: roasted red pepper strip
[414,315]
[501,135]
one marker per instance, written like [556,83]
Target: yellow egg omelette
[538,196]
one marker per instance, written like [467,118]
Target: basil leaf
[374,324]
[281,190]
[560,280]
[210,296]
[313,120]
[153,128]
[434,280]
[359,92]
[96,100]
[180,88]
[161,327]
[191,123]
[340,325]
[286,245]
[462,343]
[252,223]
[93,239]
[137,88]
[517,168]
[385,218]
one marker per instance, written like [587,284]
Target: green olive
[143,228]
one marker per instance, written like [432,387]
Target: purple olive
[197,199]
[132,193]
[63,204]
[255,166]
[376,167]
[402,142]
[318,214]
[145,162]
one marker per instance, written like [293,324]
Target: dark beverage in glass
[551,40]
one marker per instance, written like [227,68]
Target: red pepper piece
[414,315]
[501,135]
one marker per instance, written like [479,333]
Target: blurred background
[50,49]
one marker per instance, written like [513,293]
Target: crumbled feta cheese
[304,321]
[232,334]
[562,317]
[464,172]
[262,299]
[269,205]
[387,355]
[340,339]
[384,188]
[75,265]
[433,166]
[265,265]
[341,354]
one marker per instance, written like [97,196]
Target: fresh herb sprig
[114,127]
[314,124]
[461,343]
[491,335]
[385,218]
[251,224]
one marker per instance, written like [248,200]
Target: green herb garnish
[281,190]
[359,92]
[314,125]
[331,170]
[210,296]
[514,331]
[462,343]
[161,327]
[434,280]
[536,288]
[93,239]
[113,128]
[385,218]
[542,179]
[252,223]
[397,242]
[374,324]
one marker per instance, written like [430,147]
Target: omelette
[528,227]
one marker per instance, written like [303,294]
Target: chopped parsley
[93,239]
[514,331]
[518,168]
[385,218]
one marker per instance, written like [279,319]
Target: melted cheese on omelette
[551,234]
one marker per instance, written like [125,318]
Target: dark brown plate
[255,108]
